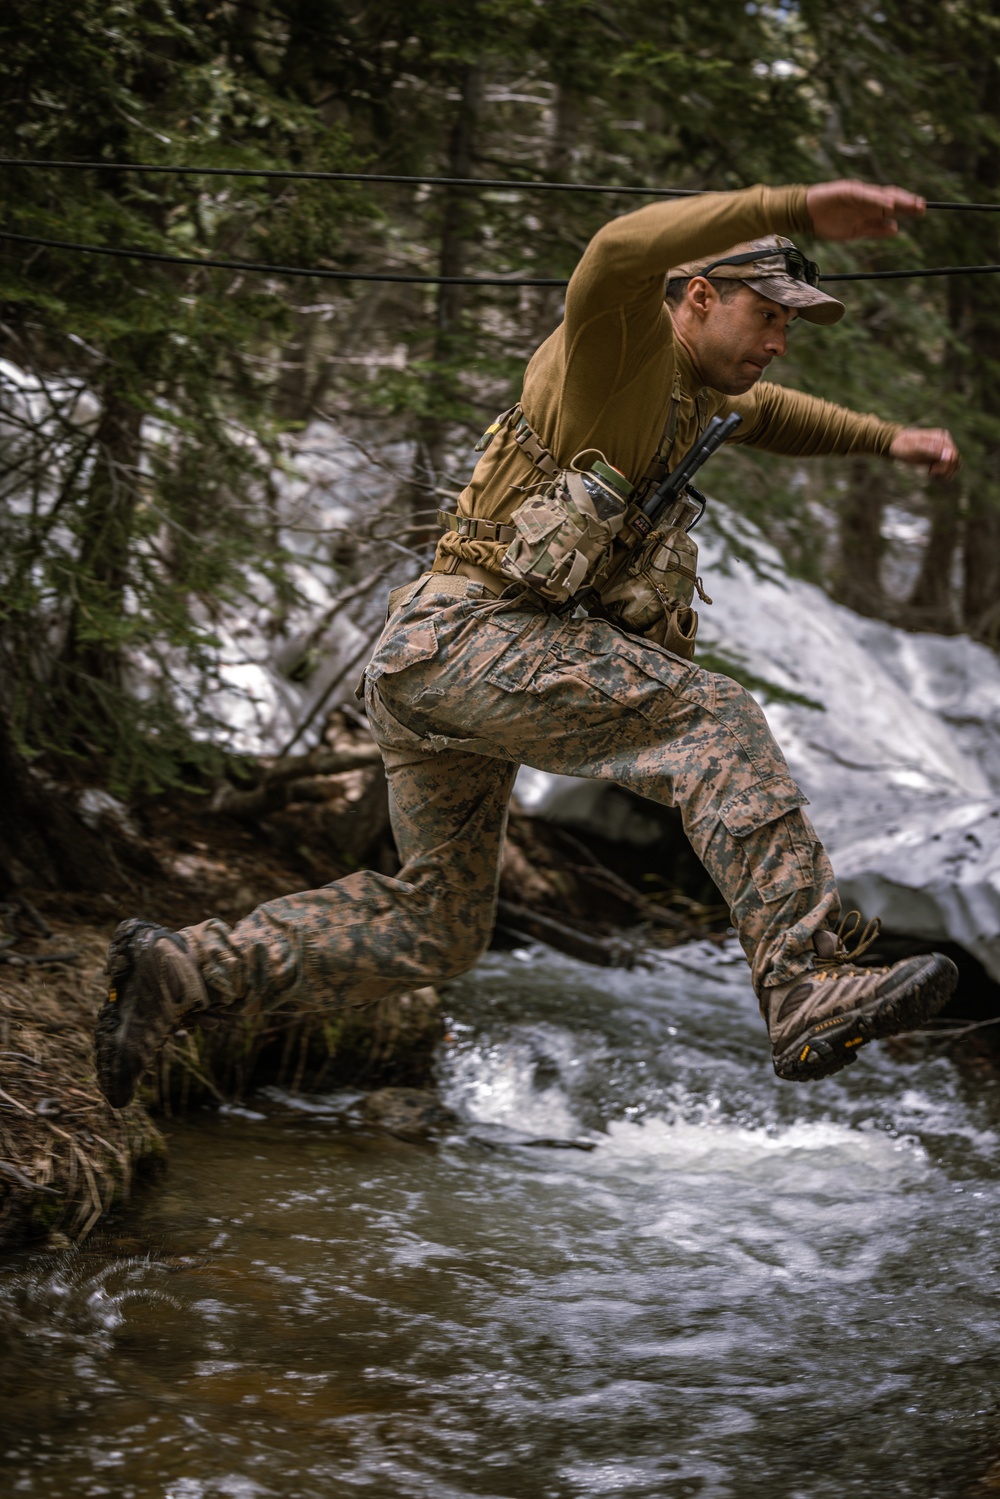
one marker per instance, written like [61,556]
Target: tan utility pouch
[653,594]
[563,540]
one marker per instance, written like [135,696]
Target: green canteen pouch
[564,538]
[653,595]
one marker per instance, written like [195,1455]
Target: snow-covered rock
[900,758]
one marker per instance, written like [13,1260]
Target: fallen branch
[6,1169]
[592,871]
[37,960]
[948,1032]
[275,788]
[28,911]
[604,952]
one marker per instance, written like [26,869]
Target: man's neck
[692,379]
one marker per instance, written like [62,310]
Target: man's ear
[701,295]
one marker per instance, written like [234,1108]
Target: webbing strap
[660,462]
[495,427]
[475,529]
[455,579]
[532,445]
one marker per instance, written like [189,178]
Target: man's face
[733,341]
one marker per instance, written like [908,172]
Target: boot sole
[117,1074]
[116,1090]
[830,1045]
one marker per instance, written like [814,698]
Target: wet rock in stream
[407,1113]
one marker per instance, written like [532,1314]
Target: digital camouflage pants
[463,688]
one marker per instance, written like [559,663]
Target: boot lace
[850,927]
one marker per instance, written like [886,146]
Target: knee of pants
[743,716]
[460,956]
[456,941]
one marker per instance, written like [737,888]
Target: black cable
[306,176]
[937,270]
[281,270]
[261,267]
[302,176]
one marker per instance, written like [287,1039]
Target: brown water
[744,1287]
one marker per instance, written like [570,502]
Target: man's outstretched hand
[859,210]
[931,448]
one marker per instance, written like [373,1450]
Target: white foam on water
[634,1476]
[820,1150]
[816,1201]
[517,1082]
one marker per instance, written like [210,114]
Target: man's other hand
[931,448]
[859,210]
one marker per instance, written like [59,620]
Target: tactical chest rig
[588,540]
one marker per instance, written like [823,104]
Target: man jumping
[473,675]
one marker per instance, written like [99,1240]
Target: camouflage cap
[770,275]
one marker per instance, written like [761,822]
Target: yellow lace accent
[849,927]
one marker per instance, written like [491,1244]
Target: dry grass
[389,1041]
[65,1155]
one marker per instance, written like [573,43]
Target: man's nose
[776,343]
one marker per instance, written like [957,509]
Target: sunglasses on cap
[796,264]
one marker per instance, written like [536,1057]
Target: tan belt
[449,567]
[454,582]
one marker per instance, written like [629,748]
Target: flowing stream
[741,1288]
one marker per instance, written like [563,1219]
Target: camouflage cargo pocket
[774,835]
[402,644]
[513,646]
[659,579]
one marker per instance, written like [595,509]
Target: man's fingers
[860,210]
[933,449]
[888,206]
[906,205]
[947,464]
[947,460]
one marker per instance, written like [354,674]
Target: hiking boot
[818,1020]
[154,983]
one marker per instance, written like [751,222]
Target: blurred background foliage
[146,411]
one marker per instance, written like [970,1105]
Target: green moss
[332,1030]
[48,1213]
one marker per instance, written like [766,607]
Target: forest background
[150,414]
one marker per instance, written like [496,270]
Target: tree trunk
[981,571]
[974,307]
[431,428]
[548,300]
[106,528]
[981,551]
[860,545]
[932,605]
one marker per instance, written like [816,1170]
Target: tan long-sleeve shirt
[603,380]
